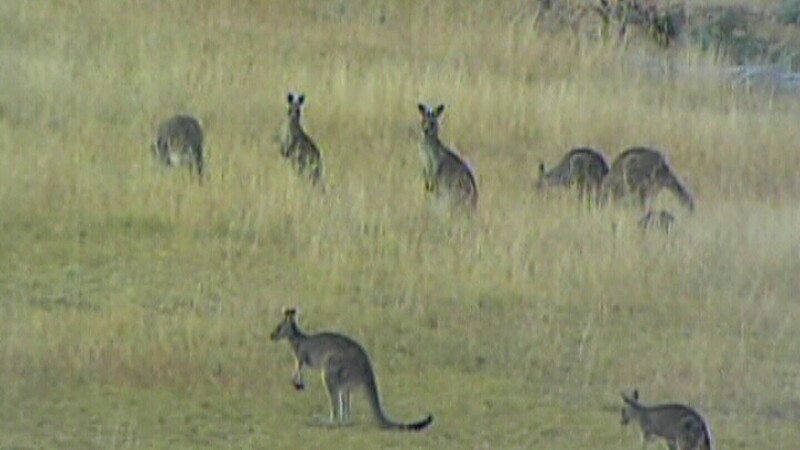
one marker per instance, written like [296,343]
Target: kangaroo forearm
[297,377]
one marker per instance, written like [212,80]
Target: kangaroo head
[630,407]
[543,181]
[286,325]
[553,177]
[160,148]
[430,118]
[296,102]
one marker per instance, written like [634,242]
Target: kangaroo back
[582,167]
[643,172]
[179,141]
[456,177]
[633,171]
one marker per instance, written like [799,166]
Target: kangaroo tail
[473,201]
[380,415]
[418,426]
[676,186]
[471,187]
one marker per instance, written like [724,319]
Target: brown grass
[136,305]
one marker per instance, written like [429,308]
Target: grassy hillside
[136,306]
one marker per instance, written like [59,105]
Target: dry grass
[136,305]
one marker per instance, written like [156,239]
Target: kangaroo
[643,172]
[297,145]
[345,367]
[444,171]
[661,220]
[682,427]
[179,141]
[582,167]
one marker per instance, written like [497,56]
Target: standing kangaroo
[682,427]
[297,145]
[443,170]
[643,172]
[345,367]
[179,141]
[582,167]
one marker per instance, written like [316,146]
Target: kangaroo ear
[422,108]
[290,98]
[542,169]
[439,110]
[290,312]
[630,399]
[301,99]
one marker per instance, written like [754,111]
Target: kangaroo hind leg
[332,379]
[344,396]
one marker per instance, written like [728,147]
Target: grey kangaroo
[643,172]
[297,145]
[345,367]
[445,173]
[680,426]
[581,167]
[179,141]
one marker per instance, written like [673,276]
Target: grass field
[136,306]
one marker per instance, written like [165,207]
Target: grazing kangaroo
[682,427]
[643,172]
[345,367]
[297,145]
[179,141]
[660,220]
[444,171]
[582,167]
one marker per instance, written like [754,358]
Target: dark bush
[789,12]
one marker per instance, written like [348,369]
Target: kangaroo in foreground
[179,141]
[643,172]
[345,367]
[682,427]
[297,145]
[444,171]
[581,167]
[659,220]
